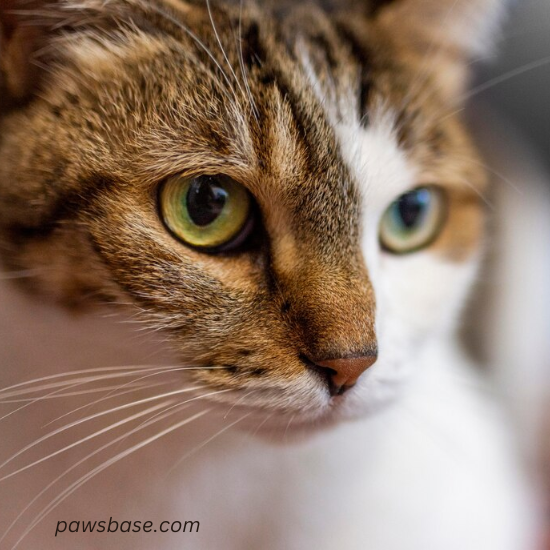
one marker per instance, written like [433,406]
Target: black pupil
[206,199]
[413,206]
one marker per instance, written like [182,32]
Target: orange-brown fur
[128,97]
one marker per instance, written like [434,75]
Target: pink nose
[343,373]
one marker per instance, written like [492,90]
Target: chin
[294,429]
[282,426]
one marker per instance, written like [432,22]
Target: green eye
[209,212]
[413,221]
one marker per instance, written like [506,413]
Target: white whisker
[478,192]
[196,398]
[58,478]
[140,387]
[259,426]
[98,469]
[122,386]
[84,371]
[224,53]
[237,402]
[134,403]
[74,444]
[133,387]
[518,71]
[243,68]
[181,405]
[288,426]
[64,386]
[196,39]
[104,413]
[204,443]
[499,175]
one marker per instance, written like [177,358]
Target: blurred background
[524,98]
[515,84]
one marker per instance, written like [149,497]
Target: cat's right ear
[22,36]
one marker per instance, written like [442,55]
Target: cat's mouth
[279,406]
[306,385]
[281,417]
[278,426]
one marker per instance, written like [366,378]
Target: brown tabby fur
[124,94]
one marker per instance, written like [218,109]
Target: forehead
[274,102]
[218,93]
[223,69]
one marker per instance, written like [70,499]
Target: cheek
[463,232]
[421,295]
[418,298]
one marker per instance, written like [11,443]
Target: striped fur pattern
[326,112]
[133,92]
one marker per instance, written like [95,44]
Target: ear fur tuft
[445,34]
[29,27]
[20,38]
[465,26]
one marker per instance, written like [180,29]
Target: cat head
[288,194]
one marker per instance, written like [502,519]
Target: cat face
[292,268]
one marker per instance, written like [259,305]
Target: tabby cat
[246,231]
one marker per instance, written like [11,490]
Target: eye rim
[244,240]
[442,197]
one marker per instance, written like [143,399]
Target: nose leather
[346,371]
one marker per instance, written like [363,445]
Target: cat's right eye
[212,213]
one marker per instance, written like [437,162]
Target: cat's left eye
[413,221]
[212,213]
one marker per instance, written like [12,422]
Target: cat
[248,232]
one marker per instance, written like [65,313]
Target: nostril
[342,373]
[328,375]
[348,369]
[326,372]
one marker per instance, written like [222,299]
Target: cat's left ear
[447,33]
